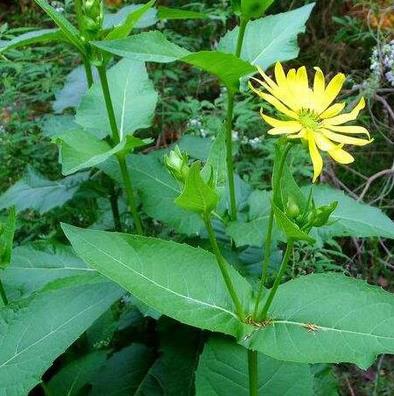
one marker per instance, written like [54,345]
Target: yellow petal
[267,79]
[323,143]
[333,110]
[336,137]
[293,126]
[291,75]
[342,118]
[315,156]
[284,130]
[351,129]
[280,75]
[319,83]
[340,155]
[302,77]
[332,90]
[274,102]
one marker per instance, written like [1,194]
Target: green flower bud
[254,8]
[292,209]
[92,16]
[177,164]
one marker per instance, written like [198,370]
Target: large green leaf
[223,370]
[7,231]
[123,373]
[133,97]
[34,265]
[34,37]
[352,218]
[150,46]
[119,17]
[35,333]
[74,88]
[327,318]
[269,39]
[178,280]
[158,191]
[71,379]
[154,47]
[81,150]
[34,191]
[177,13]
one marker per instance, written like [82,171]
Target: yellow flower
[310,114]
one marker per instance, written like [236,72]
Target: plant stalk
[222,265]
[229,128]
[268,239]
[3,294]
[252,368]
[282,270]
[88,71]
[121,159]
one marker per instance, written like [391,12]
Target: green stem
[229,127]
[130,194]
[113,199]
[268,239]
[3,294]
[222,265]
[282,270]
[88,71]
[229,155]
[121,159]
[252,368]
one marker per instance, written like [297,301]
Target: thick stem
[88,71]
[130,194]
[229,128]
[282,270]
[252,368]
[229,155]
[121,159]
[3,294]
[268,239]
[222,265]
[113,199]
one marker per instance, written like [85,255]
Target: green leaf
[129,365]
[270,39]
[35,333]
[327,318]
[80,150]
[150,46]
[223,370]
[133,97]
[158,191]
[119,17]
[154,47]
[227,67]
[34,37]
[169,277]
[216,161]
[53,125]
[124,29]
[176,13]
[352,218]
[35,265]
[69,31]
[74,88]
[324,380]
[7,231]
[71,379]
[290,229]
[254,8]
[33,191]
[197,196]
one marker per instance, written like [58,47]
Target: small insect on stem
[311,327]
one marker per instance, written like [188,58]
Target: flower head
[309,113]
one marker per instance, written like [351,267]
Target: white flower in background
[382,62]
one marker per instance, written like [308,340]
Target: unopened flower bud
[323,213]
[92,15]
[177,164]
[292,209]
